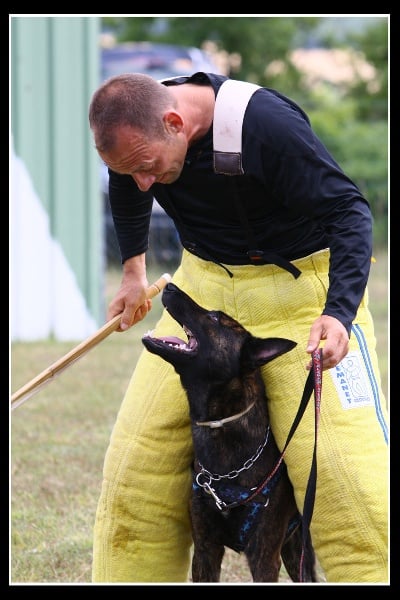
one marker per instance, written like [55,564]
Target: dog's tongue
[172,340]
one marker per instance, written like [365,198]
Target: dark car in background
[160,61]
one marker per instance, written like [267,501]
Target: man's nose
[144,181]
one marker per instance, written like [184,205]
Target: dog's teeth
[187,331]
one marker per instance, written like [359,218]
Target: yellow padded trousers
[142,528]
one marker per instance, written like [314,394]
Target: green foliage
[361,149]
[258,40]
[372,97]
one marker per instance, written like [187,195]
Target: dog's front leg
[206,563]
[263,551]
[208,541]
[264,566]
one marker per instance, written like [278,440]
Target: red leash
[315,377]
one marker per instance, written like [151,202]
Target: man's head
[138,130]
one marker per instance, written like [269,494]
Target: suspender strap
[230,106]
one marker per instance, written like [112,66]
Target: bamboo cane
[33,386]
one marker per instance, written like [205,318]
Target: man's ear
[173,122]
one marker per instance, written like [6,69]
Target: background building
[56,254]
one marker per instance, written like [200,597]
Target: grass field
[60,435]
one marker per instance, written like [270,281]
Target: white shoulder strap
[230,106]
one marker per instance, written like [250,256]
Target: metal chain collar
[234,473]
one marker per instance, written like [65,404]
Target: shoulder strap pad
[230,106]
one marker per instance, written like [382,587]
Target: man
[285,248]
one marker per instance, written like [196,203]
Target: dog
[242,497]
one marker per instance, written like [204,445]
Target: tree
[256,40]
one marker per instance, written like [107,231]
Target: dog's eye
[213,316]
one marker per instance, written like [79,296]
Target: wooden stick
[30,388]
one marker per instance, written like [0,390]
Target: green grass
[59,437]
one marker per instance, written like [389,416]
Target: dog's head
[217,348]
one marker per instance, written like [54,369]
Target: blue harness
[228,496]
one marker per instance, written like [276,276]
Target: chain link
[234,473]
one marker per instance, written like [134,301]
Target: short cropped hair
[132,99]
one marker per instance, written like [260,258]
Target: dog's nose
[170,287]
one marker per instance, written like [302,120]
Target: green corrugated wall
[54,71]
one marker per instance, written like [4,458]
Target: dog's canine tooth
[187,331]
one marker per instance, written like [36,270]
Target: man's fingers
[128,318]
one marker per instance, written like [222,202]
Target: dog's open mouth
[175,343]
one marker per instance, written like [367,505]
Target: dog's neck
[221,422]
[234,424]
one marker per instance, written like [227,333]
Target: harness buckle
[206,485]
[210,490]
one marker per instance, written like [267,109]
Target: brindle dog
[242,497]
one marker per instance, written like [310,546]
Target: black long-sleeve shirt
[296,198]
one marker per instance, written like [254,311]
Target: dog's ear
[260,351]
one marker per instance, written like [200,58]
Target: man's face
[148,162]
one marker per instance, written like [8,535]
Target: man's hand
[336,339]
[132,302]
